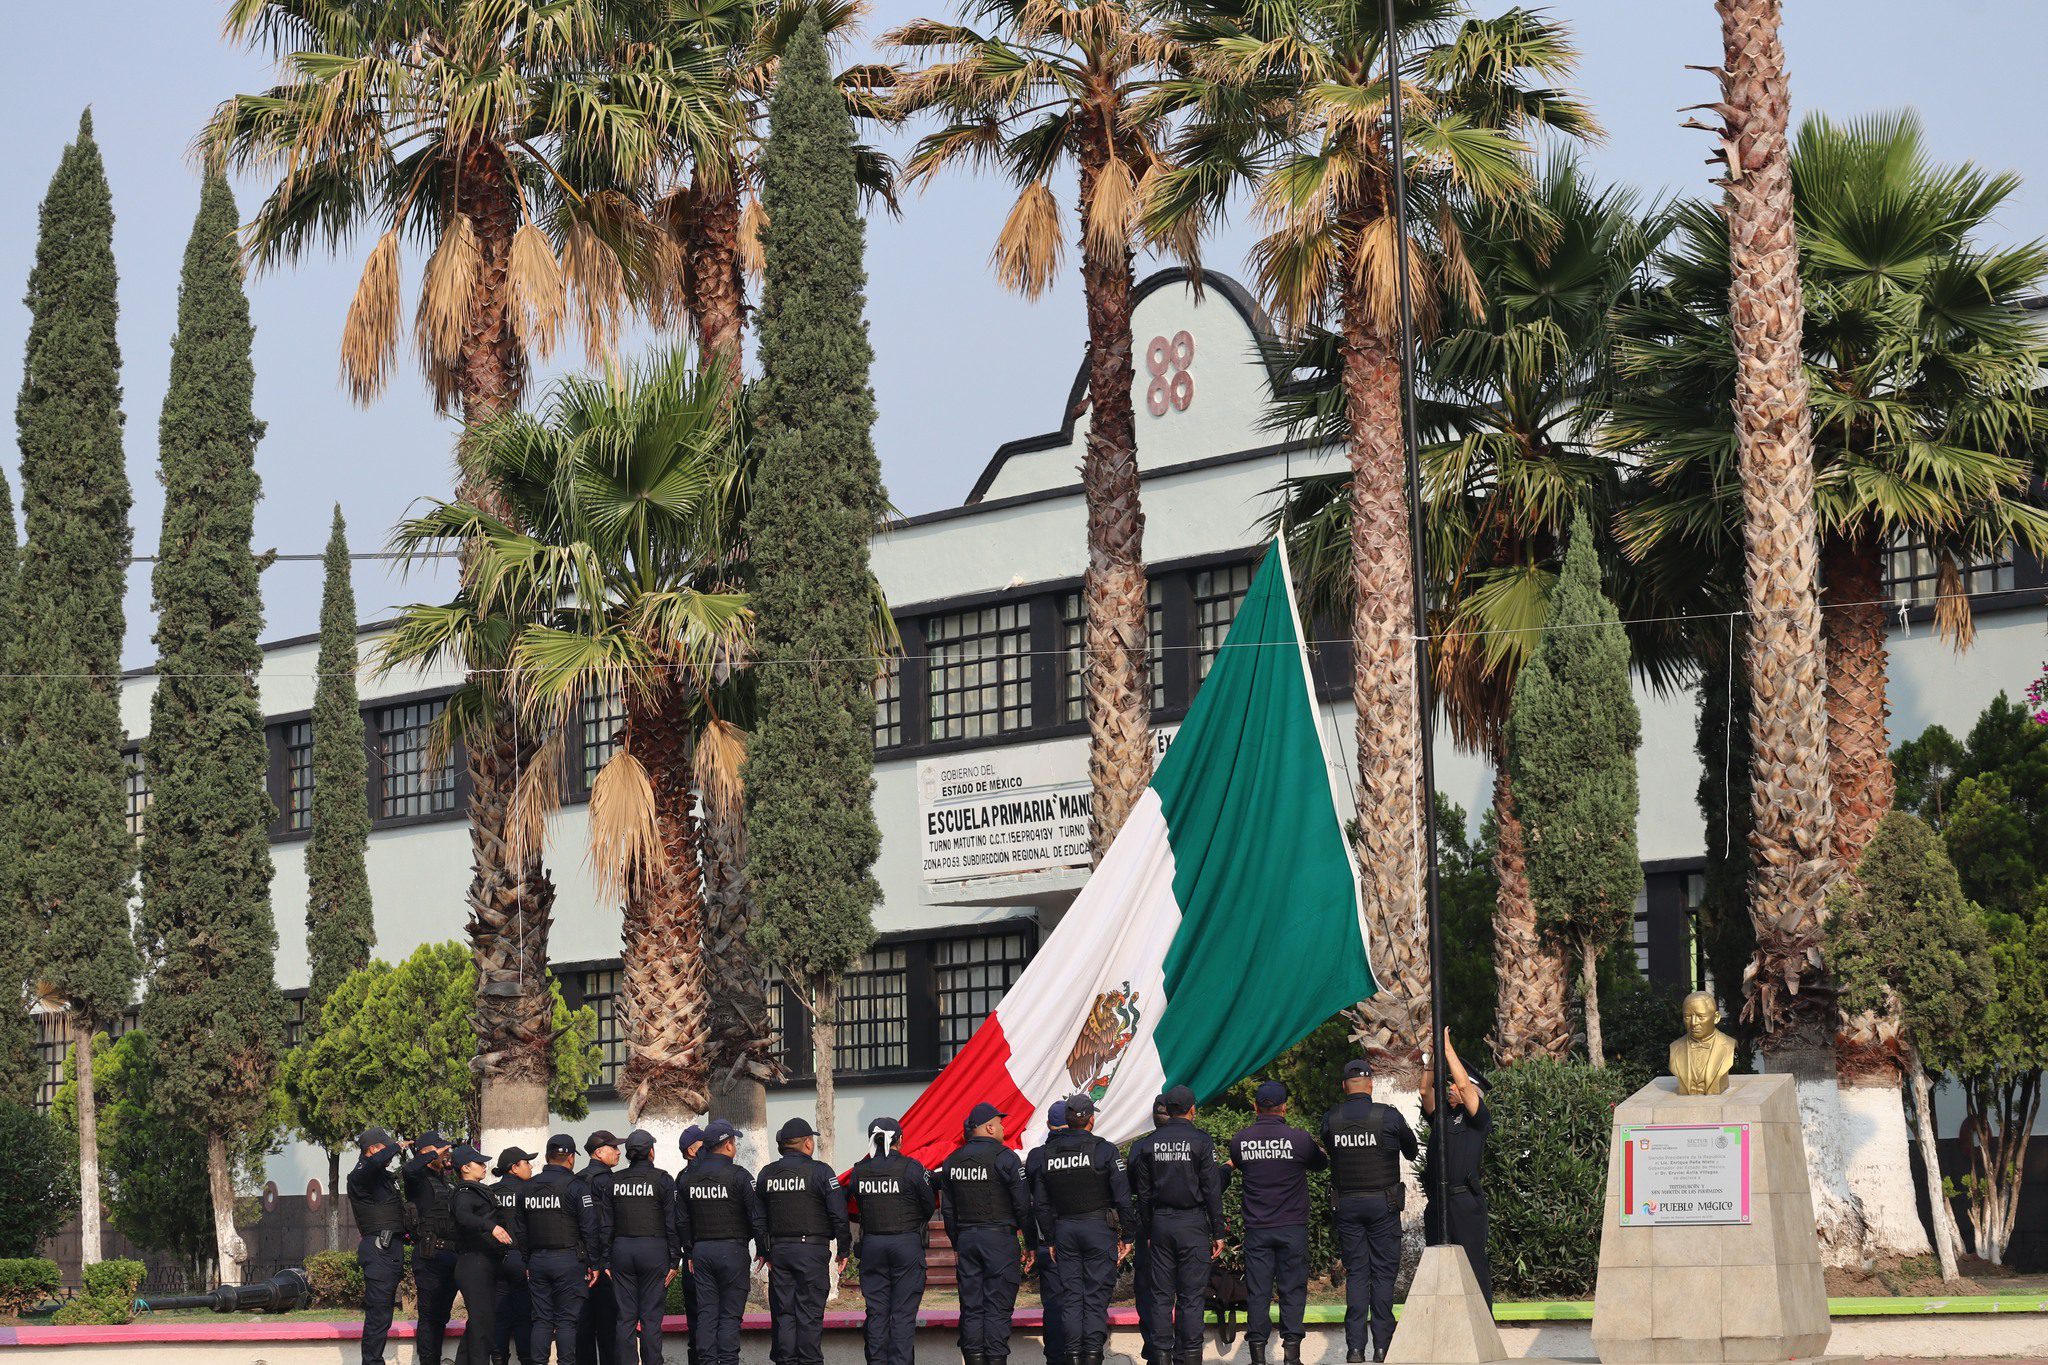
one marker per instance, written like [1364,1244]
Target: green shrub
[672,1303]
[336,1279]
[1545,1175]
[89,1310]
[115,1279]
[25,1283]
[1639,1019]
[38,1180]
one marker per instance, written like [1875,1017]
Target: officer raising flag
[717,1215]
[890,1196]
[805,1212]
[557,1231]
[986,1204]
[1366,1142]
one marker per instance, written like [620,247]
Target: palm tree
[1042,84]
[605,528]
[1508,394]
[453,122]
[1291,97]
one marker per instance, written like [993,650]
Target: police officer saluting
[890,1196]
[557,1231]
[1178,1189]
[597,1335]
[1273,1159]
[480,1240]
[515,1307]
[637,1243]
[1366,1142]
[717,1215]
[1464,1138]
[379,1209]
[1077,1182]
[805,1211]
[428,1190]
[985,1204]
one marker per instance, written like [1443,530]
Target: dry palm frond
[446,292]
[1027,253]
[1113,212]
[537,794]
[753,220]
[539,298]
[625,834]
[597,285]
[369,339]
[1953,619]
[721,755]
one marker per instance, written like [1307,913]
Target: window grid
[298,775]
[294,1019]
[874,1013]
[1074,643]
[54,1037]
[601,990]
[1912,570]
[978,671]
[889,703]
[135,784]
[778,1026]
[602,718]
[970,976]
[1217,593]
[410,785]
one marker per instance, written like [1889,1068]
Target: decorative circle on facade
[1170,364]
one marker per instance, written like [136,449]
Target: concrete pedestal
[1747,1293]
[1445,1320]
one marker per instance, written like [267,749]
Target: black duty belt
[1381,1190]
[799,1237]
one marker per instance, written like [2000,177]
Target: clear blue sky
[960,365]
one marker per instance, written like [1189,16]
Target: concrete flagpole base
[1445,1319]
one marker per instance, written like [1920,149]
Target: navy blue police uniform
[473,1209]
[379,1209]
[1052,1330]
[1466,1143]
[515,1302]
[890,1196]
[429,1191]
[1081,1198]
[597,1335]
[717,1215]
[985,1204]
[1272,1159]
[1366,1143]
[1177,1188]
[688,1142]
[805,1210]
[1143,1295]
[637,1245]
[557,1233]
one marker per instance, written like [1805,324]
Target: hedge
[1545,1174]
[108,1298]
[27,1283]
[335,1278]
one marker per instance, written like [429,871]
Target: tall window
[411,785]
[53,1045]
[602,720]
[298,775]
[778,1026]
[889,703]
[874,1013]
[294,1018]
[978,671]
[135,783]
[1911,572]
[1217,593]
[601,992]
[1074,643]
[970,976]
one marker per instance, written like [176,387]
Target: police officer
[805,1210]
[515,1305]
[379,1209]
[1273,1159]
[428,1190]
[597,1339]
[1366,1142]
[1052,1330]
[985,1204]
[690,1141]
[717,1215]
[890,1196]
[638,1245]
[480,1240]
[557,1231]
[1077,1182]
[1178,1190]
[1143,1297]
[1464,1139]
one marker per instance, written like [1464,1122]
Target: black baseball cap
[885,1125]
[795,1130]
[1056,1114]
[466,1155]
[982,1113]
[1477,1077]
[1178,1100]
[509,1158]
[1356,1067]
[430,1138]
[640,1140]
[603,1137]
[689,1137]
[1079,1107]
[560,1143]
[373,1137]
[1269,1094]
[717,1131]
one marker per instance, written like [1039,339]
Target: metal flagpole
[1425,701]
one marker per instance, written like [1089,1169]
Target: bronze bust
[1701,1060]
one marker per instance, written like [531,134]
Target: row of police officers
[574,1265]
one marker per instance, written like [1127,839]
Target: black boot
[1092,1356]
[974,1358]
[1258,1353]
[1353,1356]
[1290,1352]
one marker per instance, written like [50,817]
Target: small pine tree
[212,1010]
[1573,731]
[77,861]
[817,499]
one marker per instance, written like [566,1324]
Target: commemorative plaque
[1675,1174]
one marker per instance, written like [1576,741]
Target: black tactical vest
[637,1203]
[718,1208]
[435,1199]
[551,1208]
[887,1201]
[1362,1160]
[1076,1187]
[506,1192]
[976,1188]
[794,1209]
[377,1215]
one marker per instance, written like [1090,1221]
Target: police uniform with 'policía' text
[1078,1186]
[1178,1190]
[481,1242]
[638,1244]
[379,1209]
[515,1302]
[597,1336]
[432,1195]
[1366,1142]
[805,1210]
[1273,1159]
[717,1215]
[890,1196]
[557,1231]
[985,1204]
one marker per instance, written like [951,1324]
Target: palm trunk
[334,1199]
[824,1063]
[664,1013]
[742,1042]
[1946,1236]
[715,289]
[1532,1018]
[1589,986]
[1788,718]
[88,1148]
[231,1253]
[1383,691]
[1116,675]
[1859,751]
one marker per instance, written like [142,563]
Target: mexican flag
[1222,925]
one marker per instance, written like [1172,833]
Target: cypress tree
[77,863]
[19,1067]
[817,498]
[212,1010]
[1573,731]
